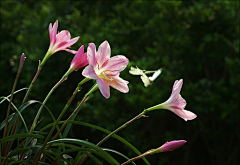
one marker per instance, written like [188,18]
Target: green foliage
[196,41]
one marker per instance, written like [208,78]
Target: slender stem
[115,131]
[9,105]
[135,158]
[9,142]
[74,112]
[44,102]
[39,111]
[56,123]
[32,83]
[60,116]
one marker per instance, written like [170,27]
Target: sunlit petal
[116,63]
[119,84]
[103,53]
[89,72]
[104,88]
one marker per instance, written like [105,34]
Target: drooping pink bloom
[172,145]
[104,69]
[176,103]
[80,59]
[60,41]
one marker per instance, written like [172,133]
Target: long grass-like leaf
[18,112]
[78,157]
[20,136]
[88,144]
[103,130]
[85,151]
[116,152]
[4,121]
[4,98]
[20,109]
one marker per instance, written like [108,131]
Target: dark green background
[195,41]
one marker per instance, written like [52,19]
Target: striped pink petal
[80,59]
[89,72]
[116,63]
[91,55]
[103,87]
[186,115]
[64,35]
[103,53]
[119,84]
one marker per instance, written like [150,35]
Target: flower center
[102,74]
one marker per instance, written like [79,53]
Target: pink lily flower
[80,59]
[172,145]
[105,69]
[176,103]
[60,41]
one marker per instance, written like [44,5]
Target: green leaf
[10,126]
[116,152]
[20,109]
[87,144]
[85,151]
[115,136]
[10,95]
[4,121]
[20,136]
[100,129]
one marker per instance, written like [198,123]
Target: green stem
[44,102]
[9,105]
[63,126]
[115,131]
[59,118]
[39,111]
[32,83]
[135,158]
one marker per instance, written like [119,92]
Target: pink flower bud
[22,60]
[80,59]
[172,145]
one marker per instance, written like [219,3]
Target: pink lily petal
[176,90]
[53,31]
[89,72]
[64,35]
[71,51]
[178,103]
[71,42]
[63,45]
[186,115]
[172,145]
[50,31]
[103,87]
[103,53]
[80,59]
[116,63]
[91,54]
[119,84]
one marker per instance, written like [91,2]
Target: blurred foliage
[195,41]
